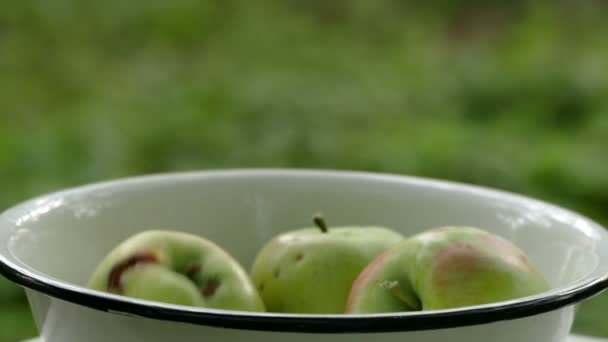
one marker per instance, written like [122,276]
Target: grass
[509,96]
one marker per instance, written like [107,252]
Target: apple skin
[445,268]
[176,268]
[311,271]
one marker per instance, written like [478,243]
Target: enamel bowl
[51,244]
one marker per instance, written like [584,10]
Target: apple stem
[395,289]
[320,222]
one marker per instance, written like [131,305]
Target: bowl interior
[65,235]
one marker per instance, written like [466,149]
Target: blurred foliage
[512,95]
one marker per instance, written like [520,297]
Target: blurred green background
[511,95]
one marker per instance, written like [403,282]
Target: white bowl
[51,244]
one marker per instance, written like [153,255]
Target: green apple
[445,268]
[176,268]
[311,270]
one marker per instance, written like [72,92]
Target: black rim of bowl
[311,323]
[394,322]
